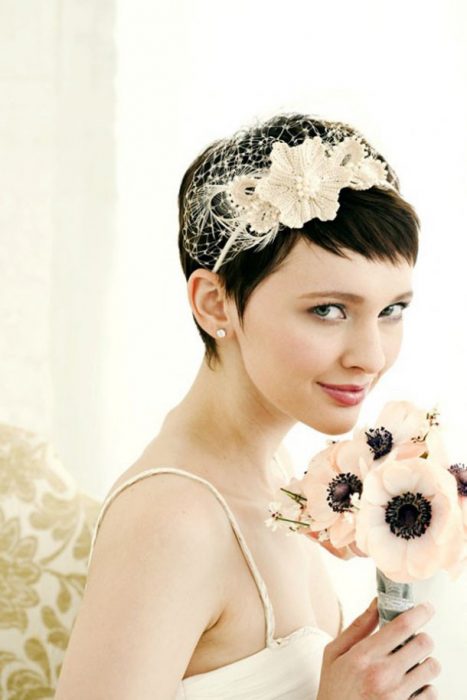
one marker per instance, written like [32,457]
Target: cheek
[307,353]
[296,349]
[392,347]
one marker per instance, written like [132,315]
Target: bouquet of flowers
[389,493]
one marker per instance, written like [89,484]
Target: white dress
[287,668]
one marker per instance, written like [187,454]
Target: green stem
[287,520]
[295,496]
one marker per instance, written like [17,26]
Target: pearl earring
[220,332]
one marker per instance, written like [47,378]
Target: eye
[322,311]
[395,316]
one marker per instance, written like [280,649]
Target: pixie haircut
[377,223]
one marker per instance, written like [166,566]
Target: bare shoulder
[155,509]
[154,587]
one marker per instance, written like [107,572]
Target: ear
[207,300]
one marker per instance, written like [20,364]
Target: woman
[298,250]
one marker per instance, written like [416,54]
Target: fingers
[428,692]
[420,676]
[412,653]
[359,629]
[398,631]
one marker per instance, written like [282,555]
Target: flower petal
[404,420]
[317,505]
[373,489]
[311,156]
[368,172]
[398,478]
[369,517]
[426,481]
[387,549]
[348,457]
[282,158]
[443,517]
[436,447]
[422,556]
[408,450]
[342,532]
[317,525]
[320,473]
[350,149]
[453,550]
[463,505]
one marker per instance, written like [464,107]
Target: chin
[336,425]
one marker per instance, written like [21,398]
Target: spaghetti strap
[268,610]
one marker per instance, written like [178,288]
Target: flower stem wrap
[393,598]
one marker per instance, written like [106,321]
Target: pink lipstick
[345,394]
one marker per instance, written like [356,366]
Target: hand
[358,665]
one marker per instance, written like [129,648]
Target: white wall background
[198,71]
[195,71]
[97,340]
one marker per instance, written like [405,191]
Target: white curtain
[57,222]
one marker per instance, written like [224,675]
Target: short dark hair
[377,223]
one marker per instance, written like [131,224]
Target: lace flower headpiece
[256,184]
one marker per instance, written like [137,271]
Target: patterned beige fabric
[46,525]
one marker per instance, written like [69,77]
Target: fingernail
[429,607]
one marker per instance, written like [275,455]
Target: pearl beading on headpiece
[263,179]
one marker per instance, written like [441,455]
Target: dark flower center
[340,490]
[460,472]
[379,441]
[408,515]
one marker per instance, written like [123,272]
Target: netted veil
[213,227]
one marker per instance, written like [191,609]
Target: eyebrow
[347,296]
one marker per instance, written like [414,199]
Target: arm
[153,587]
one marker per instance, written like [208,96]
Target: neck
[223,415]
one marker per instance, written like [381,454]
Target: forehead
[310,268]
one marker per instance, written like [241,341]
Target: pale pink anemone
[459,471]
[439,454]
[332,486]
[399,431]
[408,520]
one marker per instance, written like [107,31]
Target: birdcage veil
[271,176]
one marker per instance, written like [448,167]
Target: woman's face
[323,319]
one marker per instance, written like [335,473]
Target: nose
[364,349]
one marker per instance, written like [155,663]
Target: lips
[345,387]
[346,394]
